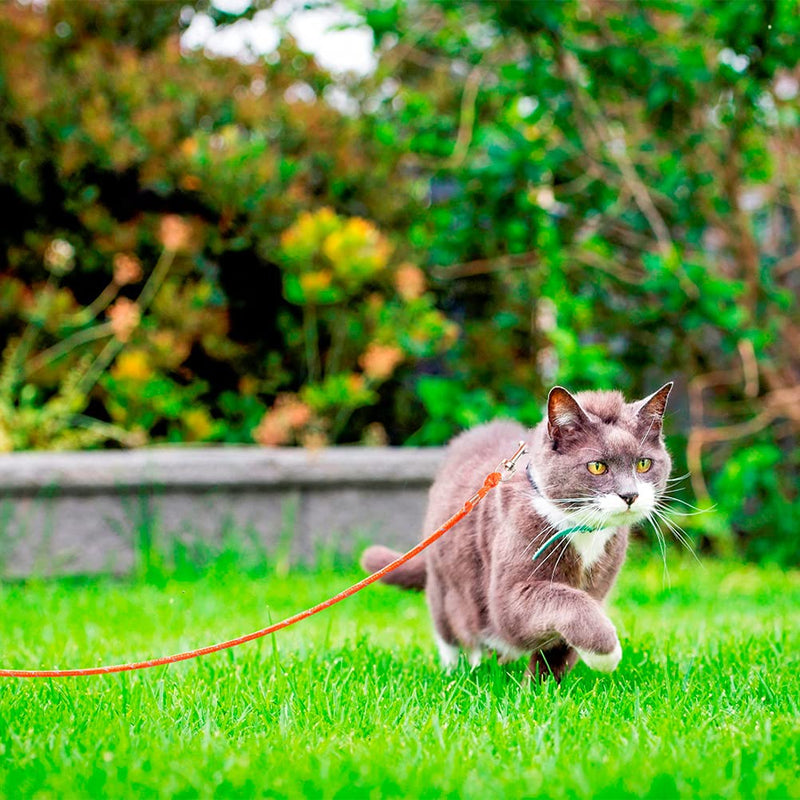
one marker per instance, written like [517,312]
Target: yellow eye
[643,465]
[596,467]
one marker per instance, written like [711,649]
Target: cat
[595,462]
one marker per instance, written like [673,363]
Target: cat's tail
[410,575]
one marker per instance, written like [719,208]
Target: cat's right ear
[564,414]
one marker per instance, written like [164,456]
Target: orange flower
[271,431]
[124,316]
[288,416]
[173,232]
[355,382]
[297,414]
[127,269]
[191,183]
[248,385]
[410,281]
[379,361]
[188,147]
[375,301]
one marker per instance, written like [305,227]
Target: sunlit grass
[352,703]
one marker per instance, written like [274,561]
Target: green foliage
[703,704]
[756,495]
[613,203]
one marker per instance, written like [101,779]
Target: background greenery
[593,193]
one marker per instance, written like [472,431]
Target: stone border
[89,512]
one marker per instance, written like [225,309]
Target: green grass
[352,703]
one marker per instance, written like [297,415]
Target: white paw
[448,653]
[602,662]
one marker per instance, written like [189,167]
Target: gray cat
[597,465]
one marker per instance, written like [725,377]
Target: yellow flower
[6,445]
[314,282]
[357,250]
[305,237]
[198,424]
[132,365]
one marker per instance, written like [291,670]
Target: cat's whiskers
[662,544]
[695,509]
[589,516]
[661,512]
[679,478]
[567,543]
[549,529]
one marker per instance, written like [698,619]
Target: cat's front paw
[602,662]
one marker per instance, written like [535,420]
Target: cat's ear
[564,414]
[651,409]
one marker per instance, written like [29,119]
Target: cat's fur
[484,591]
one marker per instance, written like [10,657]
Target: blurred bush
[597,193]
[614,198]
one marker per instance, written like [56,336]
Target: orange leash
[492,480]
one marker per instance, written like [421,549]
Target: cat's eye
[643,465]
[596,467]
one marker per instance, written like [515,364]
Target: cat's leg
[442,631]
[448,653]
[525,613]
[555,662]
[475,656]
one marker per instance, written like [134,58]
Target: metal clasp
[507,466]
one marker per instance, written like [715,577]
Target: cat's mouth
[627,517]
[599,518]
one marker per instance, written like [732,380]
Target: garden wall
[89,512]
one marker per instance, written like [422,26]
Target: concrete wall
[82,513]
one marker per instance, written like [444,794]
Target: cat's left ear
[565,416]
[651,409]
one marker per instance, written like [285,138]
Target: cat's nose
[629,498]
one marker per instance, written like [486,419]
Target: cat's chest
[590,545]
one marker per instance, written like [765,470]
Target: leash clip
[507,466]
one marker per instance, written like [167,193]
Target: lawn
[352,703]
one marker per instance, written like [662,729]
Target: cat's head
[602,462]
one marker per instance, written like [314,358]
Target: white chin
[621,518]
